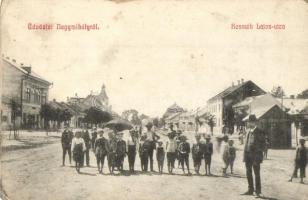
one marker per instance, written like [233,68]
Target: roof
[232,89]
[32,74]
[172,116]
[258,101]
[260,111]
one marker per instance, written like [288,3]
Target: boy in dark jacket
[207,154]
[184,150]
[160,156]
[144,148]
[197,153]
[100,150]
[66,141]
[301,159]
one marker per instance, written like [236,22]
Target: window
[28,94]
[43,99]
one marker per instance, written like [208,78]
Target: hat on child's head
[159,142]
[149,125]
[183,137]
[208,137]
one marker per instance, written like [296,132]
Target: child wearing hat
[197,153]
[144,147]
[171,148]
[184,150]
[301,159]
[207,154]
[229,155]
[100,150]
[160,156]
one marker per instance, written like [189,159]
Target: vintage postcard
[154,99]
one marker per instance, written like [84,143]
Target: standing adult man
[87,141]
[93,137]
[253,155]
[66,141]
[151,137]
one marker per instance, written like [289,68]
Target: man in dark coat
[87,141]
[66,141]
[151,138]
[253,154]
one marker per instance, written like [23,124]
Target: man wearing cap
[66,141]
[253,154]
[93,137]
[151,137]
[87,140]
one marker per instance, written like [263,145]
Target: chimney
[28,69]
[14,60]
[232,84]
[76,94]
[8,58]
[238,82]
[21,64]
[54,100]
[242,80]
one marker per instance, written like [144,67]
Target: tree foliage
[132,116]
[96,116]
[278,92]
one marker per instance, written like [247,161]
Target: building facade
[221,104]
[23,93]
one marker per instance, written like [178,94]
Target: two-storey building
[23,92]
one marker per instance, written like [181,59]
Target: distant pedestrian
[266,148]
[132,150]
[229,156]
[160,156]
[225,153]
[184,151]
[100,149]
[171,149]
[301,160]
[253,155]
[78,147]
[66,141]
[197,153]
[207,154]
[144,147]
[87,140]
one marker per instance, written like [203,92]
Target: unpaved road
[36,173]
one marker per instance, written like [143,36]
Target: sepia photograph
[153,99]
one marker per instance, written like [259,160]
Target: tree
[48,113]
[15,110]
[303,95]
[156,122]
[132,116]
[278,92]
[96,116]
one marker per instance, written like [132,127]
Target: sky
[151,54]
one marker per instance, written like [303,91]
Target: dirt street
[36,173]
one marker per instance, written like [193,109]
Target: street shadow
[216,176]
[86,173]
[236,176]
[265,197]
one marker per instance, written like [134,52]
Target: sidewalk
[27,139]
